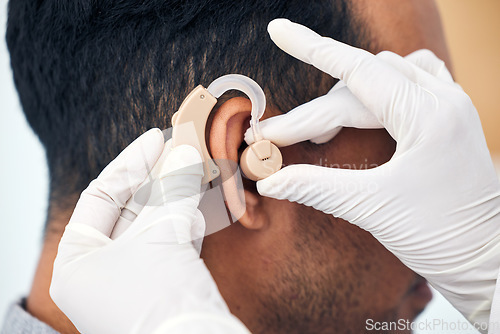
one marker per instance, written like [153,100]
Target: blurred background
[473,32]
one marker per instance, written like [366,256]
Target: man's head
[93,75]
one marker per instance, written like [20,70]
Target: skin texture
[284,267]
[403,26]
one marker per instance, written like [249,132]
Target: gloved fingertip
[263,187]
[182,157]
[151,138]
[268,186]
[326,137]
[422,53]
[151,142]
[283,32]
[156,132]
[249,138]
[276,25]
[186,153]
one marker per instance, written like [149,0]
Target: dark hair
[94,75]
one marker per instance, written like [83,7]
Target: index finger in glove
[322,118]
[380,87]
[318,120]
[100,204]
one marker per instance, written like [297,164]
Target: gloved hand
[150,279]
[436,203]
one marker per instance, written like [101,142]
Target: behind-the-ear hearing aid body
[259,160]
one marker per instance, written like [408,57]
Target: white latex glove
[436,203]
[150,279]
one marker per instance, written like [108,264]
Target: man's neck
[39,304]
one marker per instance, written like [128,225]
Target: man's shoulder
[18,320]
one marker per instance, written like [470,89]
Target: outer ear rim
[225,138]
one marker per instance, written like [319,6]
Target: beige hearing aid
[259,160]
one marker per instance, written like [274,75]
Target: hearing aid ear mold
[259,160]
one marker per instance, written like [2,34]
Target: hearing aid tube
[250,88]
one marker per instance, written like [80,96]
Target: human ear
[228,126]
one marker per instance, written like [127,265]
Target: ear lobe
[226,136]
